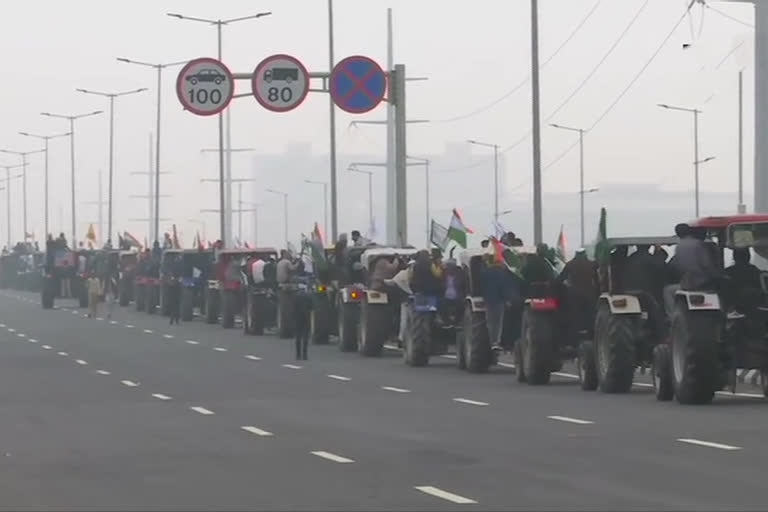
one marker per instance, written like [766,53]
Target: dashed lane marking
[444,495]
[506,365]
[257,431]
[219,349]
[193,342]
[448,356]
[11,329]
[129,383]
[253,358]
[292,366]
[160,396]
[709,444]
[63,354]
[47,347]
[339,377]
[566,375]
[99,318]
[21,335]
[391,347]
[567,419]
[103,372]
[129,326]
[113,322]
[202,410]
[395,390]
[470,402]
[168,336]
[332,457]
[32,340]
[81,362]
[148,331]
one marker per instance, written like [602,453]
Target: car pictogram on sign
[206,75]
[287,75]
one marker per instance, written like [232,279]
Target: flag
[91,235]
[457,231]
[562,245]
[316,249]
[498,230]
[317,236]
[132,240]
[438,235]
[175,239]
[507,256]
[601,246]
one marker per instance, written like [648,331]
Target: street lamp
[353,168]
[45,139]
[325,201]
[24,163]
[495,174]
[426,162]
[285,206]
[72,120]
[159,68]
[696,160]
[703,161]
[581,132]
[111,96]
[7,181]
[225,198]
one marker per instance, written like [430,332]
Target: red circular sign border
[180,84]
[256,73]
[337,68]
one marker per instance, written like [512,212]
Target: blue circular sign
[358,84]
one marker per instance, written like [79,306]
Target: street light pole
[111,96]
[696,160]
[225,192]
[741,208]
[24,163]
[536,117]
[7,181]
[325,202]
[495,148]
[45,139]
[72,120]
[582,191]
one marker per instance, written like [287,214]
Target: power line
[527,79]
[728,16]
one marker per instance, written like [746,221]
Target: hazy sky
[472,52]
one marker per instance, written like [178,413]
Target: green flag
[602,250]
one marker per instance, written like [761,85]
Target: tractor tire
[615,351]
[417,338]
[228,300]
[477,346]
[141,297]
[764,382]
[374,327]
[661,373]
[320,320]
[695,337]
[211,306]
[587,366]
[519,363]
[153,293]
[349,320]
[187,304]
[461,360]
[538,347]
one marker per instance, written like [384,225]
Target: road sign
[358,84]
[280,83]
[205,86]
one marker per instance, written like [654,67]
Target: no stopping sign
[280,83]
[205,86]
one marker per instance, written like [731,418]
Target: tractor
[260,298]
[349,295]
[225,292]
[324,288]
[196,267]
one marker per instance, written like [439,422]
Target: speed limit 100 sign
[205,86]
[280,83]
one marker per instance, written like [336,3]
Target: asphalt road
[134,414]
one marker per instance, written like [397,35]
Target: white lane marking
[566,419]
[113,322]
[168,336]
[193,342]
[99,318]
[160,396]
[709,444]
[395,390]
[11,330]
[219,349]
[148,331]
[21,335]
[253,358]
[391,347]
[102,372]
[642,384]
[2,325]
[63,354]
[257,431]
[81,362]
[47,347]
[129,383]
[566,375]
[332,457]
[745,395]
[32,340]
[506,365]
[445,495]
[339,377]
[292,366]
[85,315]
[470,402]
[448,356]
[202,410]
[129,326]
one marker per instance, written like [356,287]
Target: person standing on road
[95,291]
[302,313]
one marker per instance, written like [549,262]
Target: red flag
[562,244]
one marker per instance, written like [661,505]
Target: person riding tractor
[260,286]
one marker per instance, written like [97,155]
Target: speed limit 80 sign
[280,83]
[205,86]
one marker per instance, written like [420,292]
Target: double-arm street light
[111,96]
[325,202]
[696,160]
[495,148]
[285,210]
[45,139]
[24,163]
[72,120]
[158,116]
[7,181]
[225,191]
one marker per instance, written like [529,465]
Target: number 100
[204,96]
